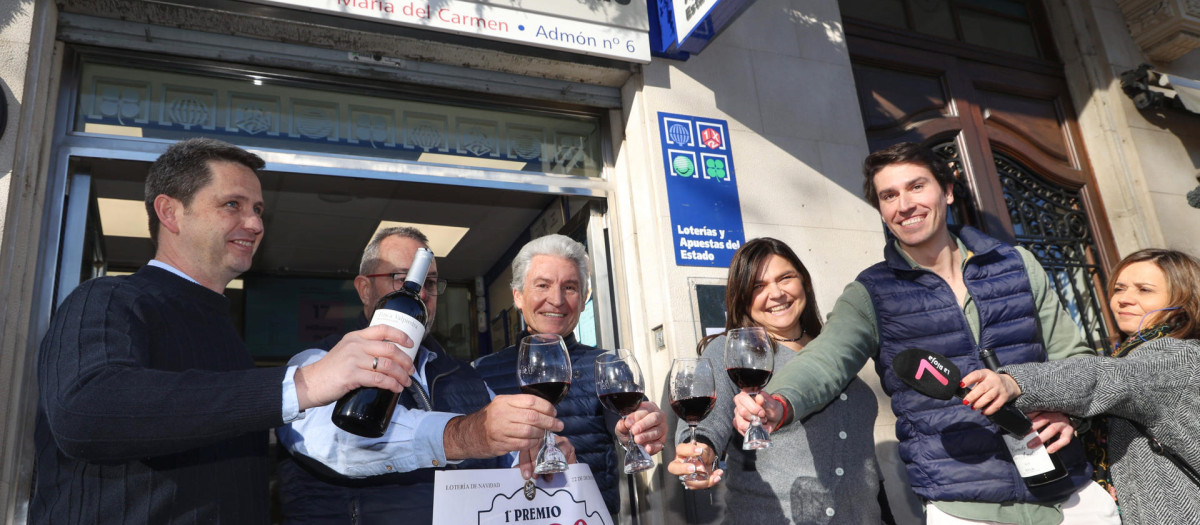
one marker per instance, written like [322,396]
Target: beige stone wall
[1145,161]
[1172,142]
[27,65]
[16,17]
[780,75]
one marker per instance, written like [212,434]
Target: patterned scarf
[1095,441]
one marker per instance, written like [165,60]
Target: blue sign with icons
[679,43]
[706,215]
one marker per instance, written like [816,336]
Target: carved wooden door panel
[1007,126]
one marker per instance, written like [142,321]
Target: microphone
[934,375]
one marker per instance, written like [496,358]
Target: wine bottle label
[1029,461]
[414,329]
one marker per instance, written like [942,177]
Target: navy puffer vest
[311,493]
[582,414]
[951,452]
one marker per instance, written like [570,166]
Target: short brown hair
[904,153]
[183,170]
[1182,272]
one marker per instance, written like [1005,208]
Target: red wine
[368,411]
[749,377]
[623,403]
[553,391]
[1036,466]
[693,409]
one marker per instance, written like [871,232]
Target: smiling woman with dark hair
[820,469]
[1148,387]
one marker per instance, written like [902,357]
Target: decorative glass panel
[1001,25]
[1013,8]
[118,100]
[1050,221]
[933,17]
[887,12]
[999,33]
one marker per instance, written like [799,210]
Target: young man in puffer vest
[953,290]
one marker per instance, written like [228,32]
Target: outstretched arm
[816,375]
[1142,387]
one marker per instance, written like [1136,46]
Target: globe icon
[188,111]
[679,133]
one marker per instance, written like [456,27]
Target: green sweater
[829,362]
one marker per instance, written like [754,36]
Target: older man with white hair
[550,287]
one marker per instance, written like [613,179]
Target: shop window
[258,111]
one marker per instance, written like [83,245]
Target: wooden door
[1007,125]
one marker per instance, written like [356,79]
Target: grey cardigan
[819,470]
[1158,385]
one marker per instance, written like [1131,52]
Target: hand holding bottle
[367,411]
[938,377]
[1053,428]
[364,358]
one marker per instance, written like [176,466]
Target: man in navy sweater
[151,409]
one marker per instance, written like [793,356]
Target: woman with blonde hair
[1148,387]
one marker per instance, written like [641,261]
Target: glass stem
[629,444]
[698,457]
[754,422]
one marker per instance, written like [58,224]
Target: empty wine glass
[544,370]
[620,389]
[693,394]
[750,361]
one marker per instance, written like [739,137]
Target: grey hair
[558,246]
[370,256]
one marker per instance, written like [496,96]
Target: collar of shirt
[424,356]
[962,250]
[159,264]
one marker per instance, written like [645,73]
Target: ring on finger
[375,364]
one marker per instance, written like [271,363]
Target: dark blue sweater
[151,410]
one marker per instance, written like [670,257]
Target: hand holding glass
[750,361]
[544,370]
[620,389]
[693,394]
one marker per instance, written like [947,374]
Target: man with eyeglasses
[331,476]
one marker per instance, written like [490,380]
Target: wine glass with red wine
[544,370]
[620,389]
[693,394]
[750,361]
